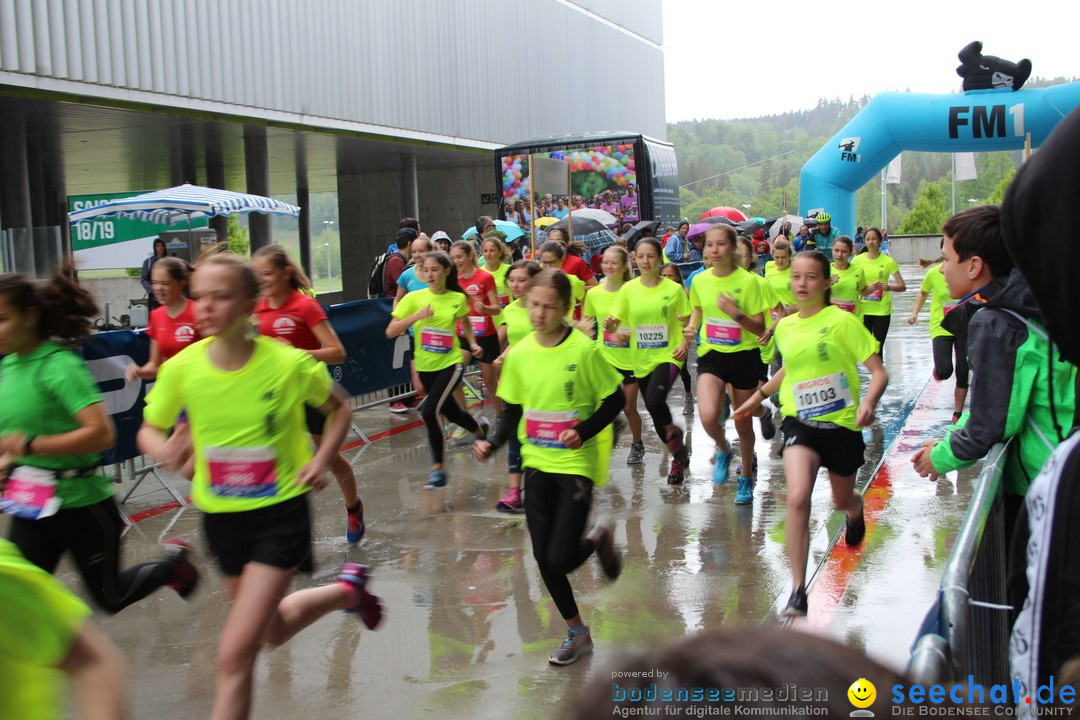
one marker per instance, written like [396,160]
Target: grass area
[324,285]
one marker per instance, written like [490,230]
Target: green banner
[109,231]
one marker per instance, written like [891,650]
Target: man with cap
[824,234]
[398,260]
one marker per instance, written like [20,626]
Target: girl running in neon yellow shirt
[672,272]
[944,343]
[561,396]
[848,281]
[883,278]
[819,390]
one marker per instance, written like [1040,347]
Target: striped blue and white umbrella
[183,204]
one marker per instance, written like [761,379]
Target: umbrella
[717,220]
[582,225]
[725,211]
[512,230]
[185,202]
[603,217]
[698,229]
[639,228]
[748,227]
[777,223]
[545,221]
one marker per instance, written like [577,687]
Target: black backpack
[377,282]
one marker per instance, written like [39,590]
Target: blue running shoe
[722,467]
[436,480]
[745,494]
[354,523]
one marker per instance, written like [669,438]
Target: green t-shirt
[934,285]
[846,291]
[877,270]
[821,354]
[653,315]
[247,425]
[719,332]
[435,344]
[780,282]
[598,304]
[40,394]
[500,282]
[557,388]
[515,317]
[38,625]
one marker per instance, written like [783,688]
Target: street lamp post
[327,225]
[746,206]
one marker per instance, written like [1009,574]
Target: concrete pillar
[410,192]
[215,172]
[15,206]
[368,205]
[303,201]
[257,170]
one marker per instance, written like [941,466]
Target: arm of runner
[588,428]
[506,424]
[331,352]
[898,284]
[98,672]
[751,406]
[398,326]
[879,380]
[150,369]
[94,434]
[914,318]
[337,426]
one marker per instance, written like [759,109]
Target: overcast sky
[747,58]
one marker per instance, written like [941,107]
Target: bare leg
[710,399]
[800,467]
[745,428]
[633,417]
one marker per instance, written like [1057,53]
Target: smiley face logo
[862,693]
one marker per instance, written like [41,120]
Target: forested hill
[755,160]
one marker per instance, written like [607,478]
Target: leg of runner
[633,418]
[710,397]
[801,464]
[745,428]
[655,389]
[441,386]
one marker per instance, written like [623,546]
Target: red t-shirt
[573,265]
[173,334]
[594,264]
[476,288]
[293,322]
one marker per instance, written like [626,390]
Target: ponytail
[64,307]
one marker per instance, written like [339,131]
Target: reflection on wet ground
[468,623]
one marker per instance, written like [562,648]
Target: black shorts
[314,419]
[628,377]
[278,535]
[741,370]
[842,451]
[488,343]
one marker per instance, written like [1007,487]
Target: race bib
[873,297]
[479,323]
[30,493]
[612,342]
[436,340]
[719,331]
[248,472]
[543,428]
[821,396]
[651,337]
[847,305]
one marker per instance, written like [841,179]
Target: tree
[997,196]
[928,214]
[237,236]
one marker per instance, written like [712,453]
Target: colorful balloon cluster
[614,163]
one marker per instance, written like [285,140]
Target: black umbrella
[718,219]
[635,232]
[747,227]
[582,226]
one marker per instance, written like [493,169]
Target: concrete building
[392,105]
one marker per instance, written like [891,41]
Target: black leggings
[944,347]
[654,389]
[684,373]
[440,401]
[92,534]
[556,511]
[878,325]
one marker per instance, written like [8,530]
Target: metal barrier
[967,630]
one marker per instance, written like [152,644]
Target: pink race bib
[873,297]
[846,305]
[436,340]
[543,428]
[249,472]
[30,493]
[720,331]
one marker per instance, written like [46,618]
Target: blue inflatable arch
[976,121]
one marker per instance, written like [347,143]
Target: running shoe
[768,427]
[573,647]
[460,433]
[610,559]
[796,604]
[677,472]
[185,575]
[399,408]
[722,466]
[637,453]
[436,480]
[677,447]
[744,495]
[956,417]
[367,606]
[511,502]
[753,466]
[354,524]
[688,405]
[855,530]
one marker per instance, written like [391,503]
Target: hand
[611,324]
[481,450]
[477,351]
[690,333]
[865,414]
[586,325]
[881,287]
[727,303]
[912,319]
[133,373]
[571,439]
[178,451]
[680,353]
[749,408]
[497,363]
[313,474]
[921,460]
[6,461]
[833,280]
[424,312]
[765,337]
[13,444]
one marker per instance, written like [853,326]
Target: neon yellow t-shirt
[768,350]
[500,282]
[38,625]
[877,270]
[598,304]
[821,353]
[652,313]
[247,425]
[780,281]
[515,317]
[934,285]
[557,388]
[719,332]
[845,291]
[435,344]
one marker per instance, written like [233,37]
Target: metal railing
[967,630]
